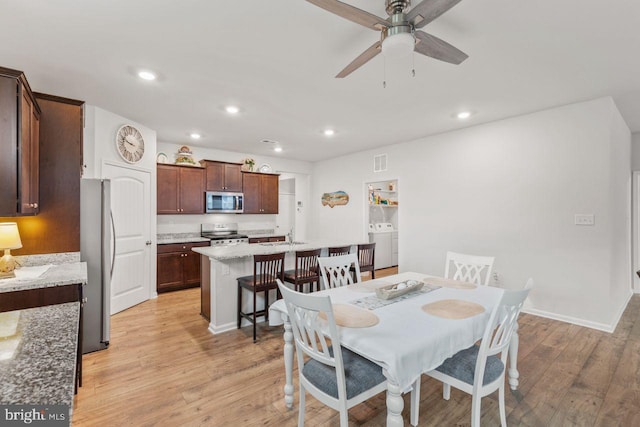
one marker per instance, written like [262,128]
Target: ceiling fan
[399,33]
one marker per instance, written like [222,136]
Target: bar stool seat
[267,269]
[306,270]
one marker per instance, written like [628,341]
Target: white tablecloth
[407,341]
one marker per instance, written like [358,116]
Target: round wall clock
[129,144]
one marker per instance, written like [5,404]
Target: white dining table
[406,341]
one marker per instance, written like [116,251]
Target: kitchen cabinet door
[168,199]
[170,274]
[180,190]
[19,142]
[251,187]
[269,192]
[225,177]
[260,193]
[178,266]
[28,152]
[191,190]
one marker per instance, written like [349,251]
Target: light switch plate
[584,219]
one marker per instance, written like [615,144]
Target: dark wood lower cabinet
[267,239]
[178,266]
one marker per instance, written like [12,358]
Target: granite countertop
[57,275]
[169,238]
[222,253]
[41,369]
[260,235]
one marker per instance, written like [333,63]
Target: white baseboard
[582,322]
[218,329]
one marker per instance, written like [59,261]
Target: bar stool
[266,270]
[339,250]
[366,255]
[306,270]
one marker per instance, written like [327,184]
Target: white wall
[286,168]
[99,148]
[635,151]
[510,189]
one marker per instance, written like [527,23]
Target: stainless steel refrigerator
[96,234]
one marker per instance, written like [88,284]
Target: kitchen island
[222,265]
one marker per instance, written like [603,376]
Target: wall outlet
[584,219]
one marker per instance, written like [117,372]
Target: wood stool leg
[239,305]
[254,316]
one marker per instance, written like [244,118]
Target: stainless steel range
[223,234]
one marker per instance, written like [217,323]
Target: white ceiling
[277,60]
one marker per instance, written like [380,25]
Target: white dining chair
[480,370]
[469,268]
[339,379]
[336,270]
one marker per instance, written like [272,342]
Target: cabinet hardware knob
[148,242]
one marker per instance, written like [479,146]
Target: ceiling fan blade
[364,57]
[439,49]
[351,13]
[428,10]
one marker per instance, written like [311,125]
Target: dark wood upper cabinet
[260,193]
[180,189]
[223,176]
[19,143]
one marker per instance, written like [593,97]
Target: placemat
[352,317]
[453,309]
[448,283]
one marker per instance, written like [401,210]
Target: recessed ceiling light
[329,132]
[232,109]
[146,75]
[195,136]
[463,115]
[278,149]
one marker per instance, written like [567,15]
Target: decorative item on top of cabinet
[260,193]
[178,266]
[180,189]
[222,176]
[20,143]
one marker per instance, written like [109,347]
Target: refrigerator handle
[113,256]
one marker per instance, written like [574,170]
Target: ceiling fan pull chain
[384,73]
[413,64]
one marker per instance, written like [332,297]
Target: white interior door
[131,209]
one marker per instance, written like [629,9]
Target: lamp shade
[9,236]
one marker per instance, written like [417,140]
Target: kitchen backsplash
[191,223]
[59,258]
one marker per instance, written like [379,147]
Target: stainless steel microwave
[216,202]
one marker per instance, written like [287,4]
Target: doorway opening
[382,221]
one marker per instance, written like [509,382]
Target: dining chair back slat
[336,270]
[469,268]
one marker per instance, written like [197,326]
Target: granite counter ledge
[171,238]
[242,250]
[41,370]
[57,275]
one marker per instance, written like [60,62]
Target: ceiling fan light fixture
[398,45]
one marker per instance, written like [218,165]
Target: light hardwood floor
[164,368]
